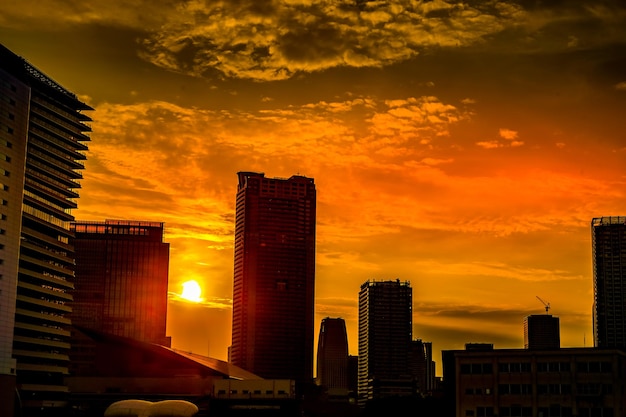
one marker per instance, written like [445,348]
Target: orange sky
[462,147]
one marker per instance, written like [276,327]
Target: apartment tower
[42,144]
[332,357]
[542,331]
[120,286]
[385,335]
[274,277]
[608,239]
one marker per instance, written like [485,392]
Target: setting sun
[191,291]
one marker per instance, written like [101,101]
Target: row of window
[552,411]
[581,367]
[545,389]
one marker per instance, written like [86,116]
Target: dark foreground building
[332,358]
[42,144]
[274,277]
[483,382]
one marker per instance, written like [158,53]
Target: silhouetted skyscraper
[385,335]
[332,357]
[542,331]
[608,238]
[41,148]
[274,277]
[121,282]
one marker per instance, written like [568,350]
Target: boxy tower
[274,277]
[42,144]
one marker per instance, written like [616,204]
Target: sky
[461,146]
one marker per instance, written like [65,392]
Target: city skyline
[463,149]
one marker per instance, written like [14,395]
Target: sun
[191,291]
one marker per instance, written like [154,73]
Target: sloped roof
[216,366]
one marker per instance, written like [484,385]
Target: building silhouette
[608,239]
[274,277]
[332,358]
[482,381]
[121,284]
[542,331]
[42,142]
[385,338]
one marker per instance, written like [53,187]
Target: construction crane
[546,305]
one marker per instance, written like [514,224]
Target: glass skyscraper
[274,277]
[120,288]
[42,143]
[608,238]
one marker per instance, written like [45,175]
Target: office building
[385,335]
[274,277]
[483,382]
[121,284]
[542,331]
[608,239]
[42,143]
[332,358]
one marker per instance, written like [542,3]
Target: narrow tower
[608,239]
[332,357]
[274,277]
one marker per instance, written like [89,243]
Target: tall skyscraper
[608,239]
[332,357]
[42,144]
[121,282]
[274,277]
[385,335]
[542,331]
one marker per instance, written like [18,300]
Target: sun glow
[191,291]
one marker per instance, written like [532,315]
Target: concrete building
[43,132]
[332,358]
[608,240]
[274,277]
[483,382]
[385,336]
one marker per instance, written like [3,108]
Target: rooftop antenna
[546,305]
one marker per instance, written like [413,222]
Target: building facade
[274,277]
[385,337]
[43,132]
[542,331]
[332,357]
[121,284]
[608,239]
[486,382]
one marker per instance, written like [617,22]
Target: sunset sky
[464,147]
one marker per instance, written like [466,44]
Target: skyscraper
[120,288]
[542,331]
[274,277]
[42,144]
[332,357]
[385,335]
[608,239]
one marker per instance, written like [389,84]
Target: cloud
[267,41]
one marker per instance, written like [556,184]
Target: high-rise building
[385,335]
[608,239]
[541,331]
[42,144]
[120,287]
[274,277]
[332,357]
